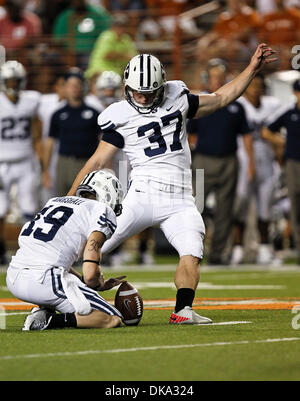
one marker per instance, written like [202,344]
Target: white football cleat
[38,319]
[188,316]
[237,255]
[264,255]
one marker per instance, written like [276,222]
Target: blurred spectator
[46,60]
[134,9]
[2,12]
[49,11]
[78,27]
[215,152]
[162,20]
[288,119]
[264,6]
[76,128]
[268,6]
[281,27]
[113,49]
[124,5]
[18,27]
[233,36]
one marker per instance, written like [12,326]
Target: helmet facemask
[147,107]
[144,75]
[105,187]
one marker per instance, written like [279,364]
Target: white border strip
[159,347]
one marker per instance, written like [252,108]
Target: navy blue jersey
[77,130]
[290,120]
[217,132]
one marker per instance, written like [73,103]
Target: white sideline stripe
[159,347]
[14,313]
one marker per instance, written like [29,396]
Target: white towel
[73,293]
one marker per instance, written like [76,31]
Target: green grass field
[252,337]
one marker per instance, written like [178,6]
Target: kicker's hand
[261,57]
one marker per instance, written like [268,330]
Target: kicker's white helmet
[105,187]
[145,74]
[12,70]
[109,87]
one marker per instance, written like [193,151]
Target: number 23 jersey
[155,143]
[15,125]
[58,234]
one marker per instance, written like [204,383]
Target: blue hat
[296,86]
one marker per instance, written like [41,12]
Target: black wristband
[91,261]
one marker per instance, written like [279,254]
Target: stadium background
[171,30]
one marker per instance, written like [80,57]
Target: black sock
[2,247]
[263,228]
[143,246]
[61,320]
[184,297]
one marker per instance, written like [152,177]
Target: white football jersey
[58,234]
[49,103]
[156,143]
[257,118]
[15,125]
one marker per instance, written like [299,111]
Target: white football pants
[148,204]
[24,174]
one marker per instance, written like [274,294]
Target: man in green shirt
[78,27]
[112,50]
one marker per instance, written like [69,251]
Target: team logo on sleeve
[105,222]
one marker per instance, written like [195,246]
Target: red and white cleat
[188,316]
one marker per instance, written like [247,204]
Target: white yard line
[207,286]
[207,269]
[156,348]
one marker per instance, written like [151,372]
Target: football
[129,302]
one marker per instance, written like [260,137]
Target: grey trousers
[67,169]
[220,177]
[292,171]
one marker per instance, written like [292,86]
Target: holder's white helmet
[145,74]
[109,80]
[105,187]
[12,70]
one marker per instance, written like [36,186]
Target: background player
[215,152]
[41,273]
[20,142]
[258,108]
[150,126]
[74,126]
[49,103]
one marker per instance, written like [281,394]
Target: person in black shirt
[215,152]
[289,119]
[75,126]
